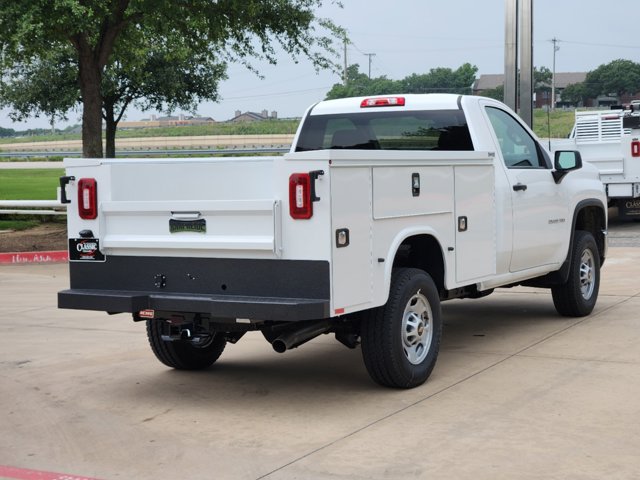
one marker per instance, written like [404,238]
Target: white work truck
[384,207]
[610,141]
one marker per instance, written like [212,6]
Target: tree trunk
[110,133]
[90,78]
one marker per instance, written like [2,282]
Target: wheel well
[592,219]
[423,252]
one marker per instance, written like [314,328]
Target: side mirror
[564,162]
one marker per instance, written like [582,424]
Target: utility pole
[555,42]
[344,73]
[369,55]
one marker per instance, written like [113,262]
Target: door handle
[519,187]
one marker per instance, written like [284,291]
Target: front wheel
[577,296]
[184,354]
[400,340]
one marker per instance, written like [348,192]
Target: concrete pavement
[518,392]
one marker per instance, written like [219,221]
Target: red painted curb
[33,257]
[26,474]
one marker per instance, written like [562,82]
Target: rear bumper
[219,306]
[281,290]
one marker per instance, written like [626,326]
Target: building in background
[169,121]
[253,116]
[542,96]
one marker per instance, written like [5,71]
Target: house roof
[493,80]
[487,82]
[252,115]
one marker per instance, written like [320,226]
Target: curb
[16,258]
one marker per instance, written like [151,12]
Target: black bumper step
[218,306]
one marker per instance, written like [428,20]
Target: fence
[33,207]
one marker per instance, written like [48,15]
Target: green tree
[7,132]
[618,77]
[157,75]
[542,78]
[44,85]
[496,93]
[359,84]
[575,93]
[437,80]
[219,31]
[441,80]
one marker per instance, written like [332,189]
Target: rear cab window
[385,130]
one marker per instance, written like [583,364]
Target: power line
[281,94]
[609,45]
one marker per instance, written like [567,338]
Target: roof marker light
[383,102]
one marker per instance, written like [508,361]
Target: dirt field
[45,237]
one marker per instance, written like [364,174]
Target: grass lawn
[561,123]
[29,184]
[18,224]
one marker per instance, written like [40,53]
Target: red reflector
[88,198]
[339,311]
[300,205]
[611,117]
[382,102]
[150,314]
[635,148]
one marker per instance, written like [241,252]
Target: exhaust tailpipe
[295,338]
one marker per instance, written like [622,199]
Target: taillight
[382,102]
[300,204]
[635,148]
[88,198]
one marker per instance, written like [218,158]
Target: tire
[183,354]
[578,295]
[400,340]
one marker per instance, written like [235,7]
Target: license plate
[85,250]
[194,226]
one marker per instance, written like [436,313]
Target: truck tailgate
[201,205]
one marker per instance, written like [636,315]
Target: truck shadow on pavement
[324,371]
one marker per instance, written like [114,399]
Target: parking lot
[518,392]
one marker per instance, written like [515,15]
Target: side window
[518,149]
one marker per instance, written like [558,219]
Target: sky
[414,36]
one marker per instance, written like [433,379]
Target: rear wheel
[577,296]
[184,354]
[400,340]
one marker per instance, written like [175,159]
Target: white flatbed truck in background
[384,207]
[610,141]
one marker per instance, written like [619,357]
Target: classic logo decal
[85,249]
